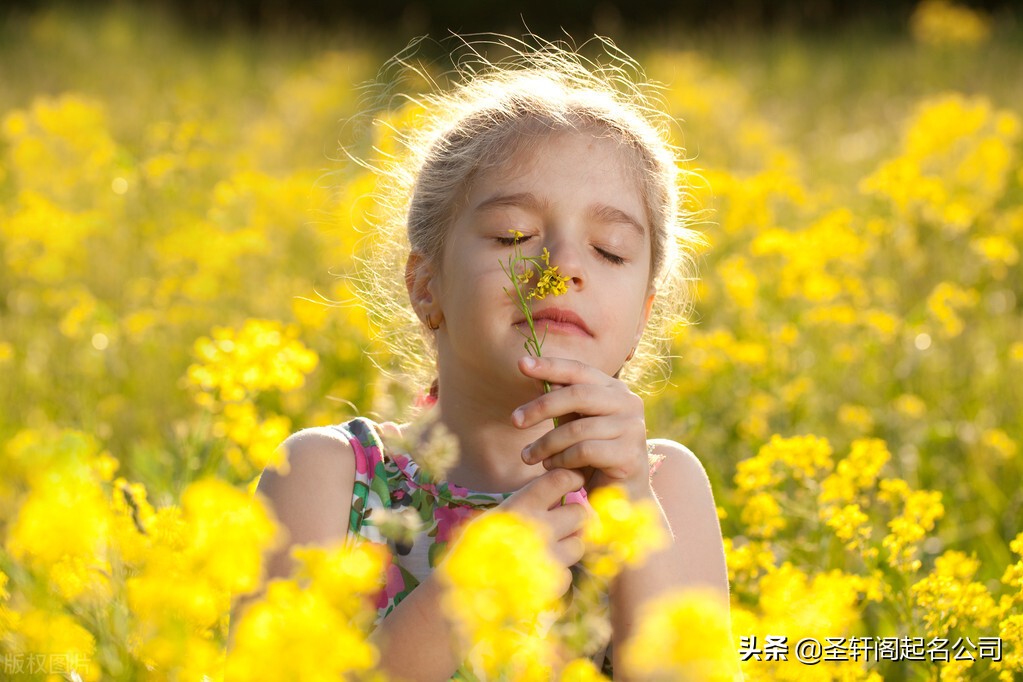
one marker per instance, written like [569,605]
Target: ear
[648,305]
[419,280]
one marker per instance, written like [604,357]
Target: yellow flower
[797,605]
[62,531]
[940,22]
[757,472]
[499,579]
[857,417]
[1000,253]
[229,533]
[856,472]
[762,515]
[551,283]
[949,599]
[1011,632]
[263,355]
[581,670]
[922,508]
[806,456]
[622,533]
[999,442]
[344,574]
[945,302]
[46,632]
[851,526]
[296,633]
[910,405]
[747,562]
[683,636]
[1013,577]
[254,441]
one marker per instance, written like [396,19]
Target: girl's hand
[540,500]
[601,430]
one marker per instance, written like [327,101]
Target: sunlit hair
[491,111]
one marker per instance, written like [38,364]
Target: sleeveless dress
[386,478]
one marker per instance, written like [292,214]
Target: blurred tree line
[543,17]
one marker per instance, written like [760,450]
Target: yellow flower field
[176,220]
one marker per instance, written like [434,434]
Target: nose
[569,259]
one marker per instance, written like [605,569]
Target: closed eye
[610,257]
[510,241]
[606,255]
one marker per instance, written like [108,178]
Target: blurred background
[175,211]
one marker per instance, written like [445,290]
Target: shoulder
[674,458]
[683,490]
[311,496]
[312,450]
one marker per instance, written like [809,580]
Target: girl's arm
[695,553]
[415,639]
[311,502]
[417,642]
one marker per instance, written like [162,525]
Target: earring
[429,323]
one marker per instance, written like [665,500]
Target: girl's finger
[585,399]
[566,520]
[568,434]
[606,455]
[546,491]
[569,551]
[563,371]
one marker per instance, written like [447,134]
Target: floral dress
[388,479]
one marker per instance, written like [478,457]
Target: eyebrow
[528,200]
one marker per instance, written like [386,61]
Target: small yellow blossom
[499,578]
[949,599]
[941,22]
[921,510]
[263,355]
[666,646]
[622,533]
[851,526]
[910,405]
[762,515]
[296,633]
[344,573]
[998,442]
[857,417]
[581,670]
[855,473]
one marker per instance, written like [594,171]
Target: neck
[490,446]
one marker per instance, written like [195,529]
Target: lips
[560,317]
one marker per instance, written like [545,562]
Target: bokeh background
[177,223]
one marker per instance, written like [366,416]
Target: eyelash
[610,257]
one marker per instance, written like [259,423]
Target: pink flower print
[394,584]
[457,490]
[367,461]
[429,488]
[374,457]
[448,520]
[578,497]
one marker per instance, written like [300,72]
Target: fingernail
[525,454]
[530,362]
[517,416]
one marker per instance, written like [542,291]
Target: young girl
[575,158]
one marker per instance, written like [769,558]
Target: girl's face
[578,196]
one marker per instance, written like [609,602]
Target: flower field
[175,225]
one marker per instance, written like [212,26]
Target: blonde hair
[492,110]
